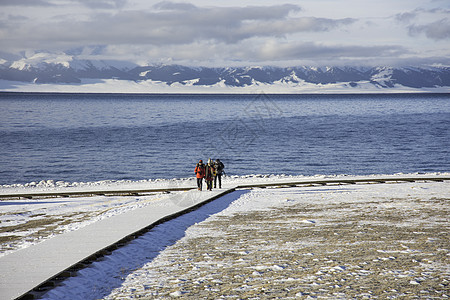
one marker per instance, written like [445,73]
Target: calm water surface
[78,137]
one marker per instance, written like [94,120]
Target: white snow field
[150,86]
[374,241]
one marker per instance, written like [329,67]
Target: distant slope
[55,69]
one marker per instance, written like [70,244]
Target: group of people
[211,172]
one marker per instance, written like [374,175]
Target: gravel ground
[341,247]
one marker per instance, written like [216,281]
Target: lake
[93,137]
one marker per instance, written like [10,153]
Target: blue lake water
[91,137]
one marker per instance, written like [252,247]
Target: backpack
[219,167]
[200,168]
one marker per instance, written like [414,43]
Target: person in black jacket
[218,166]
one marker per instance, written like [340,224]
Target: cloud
[111,4]
[410,16]
[15,18]
[25,3]
[406,17]
[102,4]
[141,30]
[262,52]
[439,30]
[311,50]
[178,23]
[167,5]
[291,26]
[418,22]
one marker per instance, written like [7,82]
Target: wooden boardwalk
[26,272]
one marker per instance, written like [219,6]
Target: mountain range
[45,68]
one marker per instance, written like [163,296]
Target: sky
[232,33]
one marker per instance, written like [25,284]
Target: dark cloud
[410,16]
[175,23]
[181,31]
[168,23]
[439,30]
[102,4]
[295,25]
[406,17]
[14,18]
[310,50]
[167,5]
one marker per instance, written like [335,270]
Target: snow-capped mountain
[69,69]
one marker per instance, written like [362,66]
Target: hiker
[209,174]
[218,166]
[200,173]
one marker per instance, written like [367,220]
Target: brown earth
[364,250]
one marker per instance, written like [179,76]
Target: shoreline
[109,185]
[373,93]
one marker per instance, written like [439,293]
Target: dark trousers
[199,183]
[220,180]
[209,184]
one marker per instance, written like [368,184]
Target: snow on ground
[24,223]
[335,242]
[27,222]
[229,181]
[149,86]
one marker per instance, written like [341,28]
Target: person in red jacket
[200,172]
[209,174]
